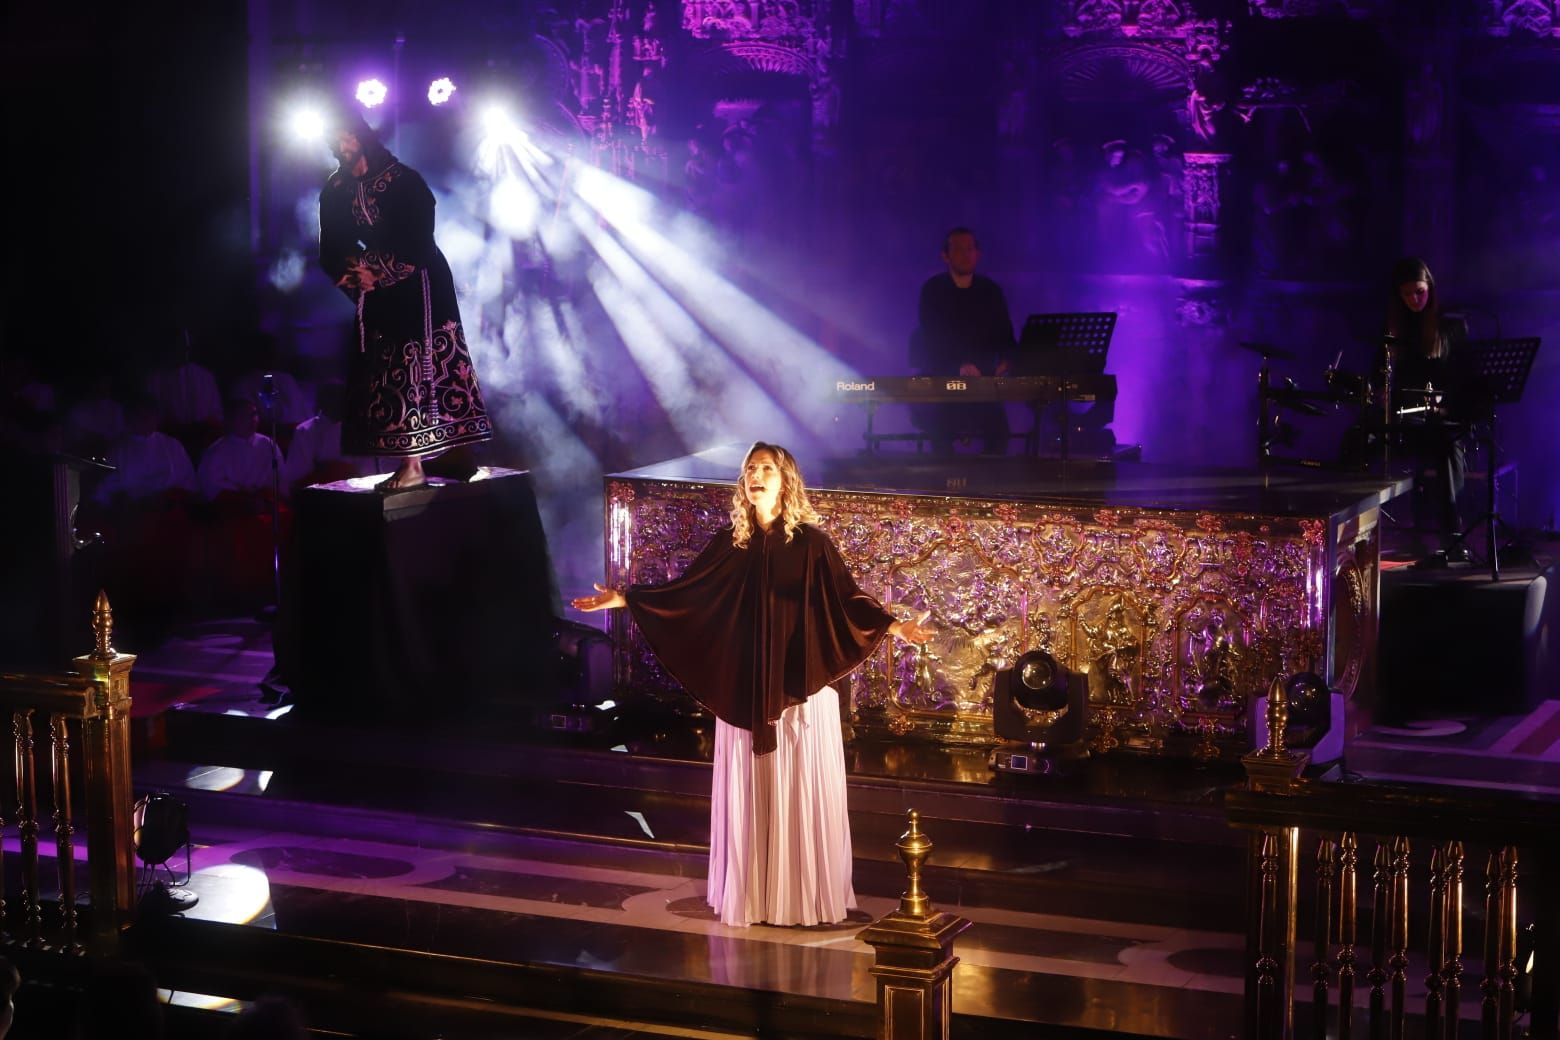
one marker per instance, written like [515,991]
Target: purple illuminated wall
[1215,172]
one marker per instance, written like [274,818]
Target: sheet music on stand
[1504,365]
[1066,344]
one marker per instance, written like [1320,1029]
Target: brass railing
[87,713]
[1357,979]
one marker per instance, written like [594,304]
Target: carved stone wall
[1523,17]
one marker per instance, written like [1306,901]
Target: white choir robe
[315,442]
[145,466]
[239,464]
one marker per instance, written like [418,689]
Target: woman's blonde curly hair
[795,508]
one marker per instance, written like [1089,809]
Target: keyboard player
[964,329]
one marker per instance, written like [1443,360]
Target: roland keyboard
[974,389]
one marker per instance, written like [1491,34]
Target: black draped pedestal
[429,603]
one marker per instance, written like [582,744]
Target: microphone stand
[268,397]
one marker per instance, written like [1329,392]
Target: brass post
[106,755]
[1399,935]
[1507,969]
[1348,930]
[914,959]
[1326,872]
[1268,988]
[1489,986]
[27,825]
[1435,943]
[1380,927]
[1452,934]
[64,834]
[1274,767]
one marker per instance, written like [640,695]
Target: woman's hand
[604,599]
[913,630]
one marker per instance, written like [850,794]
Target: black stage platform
[1454,642]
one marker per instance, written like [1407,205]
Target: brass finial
[102,628]
[1277,718]
[914,848]
[1273,767]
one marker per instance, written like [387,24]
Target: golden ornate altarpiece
[1177,617]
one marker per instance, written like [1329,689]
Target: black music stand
[1066,345]
[1503,366]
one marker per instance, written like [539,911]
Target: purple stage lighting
[441,90]
[371,93]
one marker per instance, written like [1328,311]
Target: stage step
[371,988]
[524,856]
[991,851]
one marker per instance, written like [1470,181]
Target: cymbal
[1267,350]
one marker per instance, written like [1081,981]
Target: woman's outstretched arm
[604,599]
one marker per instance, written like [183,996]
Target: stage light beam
[779,356]
[371,93]
[513,207]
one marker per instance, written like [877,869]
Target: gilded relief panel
[1174,621]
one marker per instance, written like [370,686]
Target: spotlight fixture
[371,93]
[161,828]
[1038,710]
[441,90]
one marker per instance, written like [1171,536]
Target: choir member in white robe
[242,460]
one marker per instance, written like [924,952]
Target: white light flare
[371,93]
[307,125]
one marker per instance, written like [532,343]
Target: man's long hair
[795,508]
[346,118]
[1422,331]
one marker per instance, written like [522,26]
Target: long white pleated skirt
[779,831]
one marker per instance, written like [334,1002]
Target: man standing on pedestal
[411,388]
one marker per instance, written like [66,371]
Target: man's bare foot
[409,475]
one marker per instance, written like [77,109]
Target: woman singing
[758,629]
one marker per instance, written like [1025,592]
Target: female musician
[1434,396]
[758,629]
